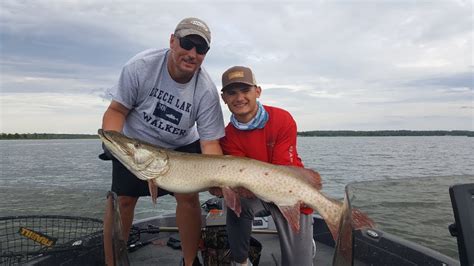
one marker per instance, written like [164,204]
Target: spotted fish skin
[287,187]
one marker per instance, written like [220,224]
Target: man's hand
[312,177]
[317,180]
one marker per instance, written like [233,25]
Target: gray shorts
[296,248]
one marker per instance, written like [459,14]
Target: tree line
[46,136]
[314,133]
[384,133]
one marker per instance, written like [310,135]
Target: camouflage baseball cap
[238,74]
[189,26]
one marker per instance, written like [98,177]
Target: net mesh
[24,238]
[216,250]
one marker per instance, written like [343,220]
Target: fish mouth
[106,139]
[109,139]
[101,134]
[118,145]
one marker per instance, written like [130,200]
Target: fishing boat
[370,246]
[155,241]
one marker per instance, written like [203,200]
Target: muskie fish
[287,187]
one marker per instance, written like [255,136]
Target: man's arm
[114,117]
[210,147]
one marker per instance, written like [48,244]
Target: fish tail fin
[361,220]
[232,200]
[358,221]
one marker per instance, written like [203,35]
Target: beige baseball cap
[189,26]
[238,74]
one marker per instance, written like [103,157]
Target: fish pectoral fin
[292,215]
[153,188]
[232,200]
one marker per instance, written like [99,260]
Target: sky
[334,65]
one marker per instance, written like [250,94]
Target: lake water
[66,177]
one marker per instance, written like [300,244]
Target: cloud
[333,64]
[72,113]
[451,82]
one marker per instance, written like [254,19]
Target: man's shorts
[124,183]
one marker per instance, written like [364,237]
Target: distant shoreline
[385,133]
[314,133]
[9,136]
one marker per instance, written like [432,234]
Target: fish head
[142,159]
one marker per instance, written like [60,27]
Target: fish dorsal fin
[292,215]
[310,176]
[232,200]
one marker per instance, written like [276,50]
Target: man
[164,97]
[267,134]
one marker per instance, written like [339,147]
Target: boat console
[377,246]
[462,199]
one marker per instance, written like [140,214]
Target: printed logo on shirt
[163,125]
[168,114]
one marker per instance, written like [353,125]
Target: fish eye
[136,145]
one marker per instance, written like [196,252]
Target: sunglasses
[188,44]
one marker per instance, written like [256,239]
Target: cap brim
[186,32]
[237,82]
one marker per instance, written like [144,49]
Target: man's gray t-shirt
[162,111]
